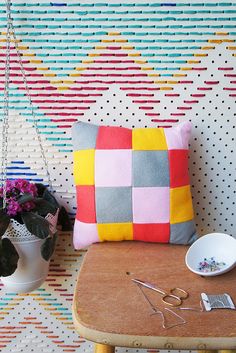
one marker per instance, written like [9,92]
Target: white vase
[32,269]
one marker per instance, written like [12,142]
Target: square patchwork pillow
[132,184]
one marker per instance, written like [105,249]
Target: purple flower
[13,207]
[28,206]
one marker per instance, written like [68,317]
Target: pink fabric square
[113,168]
[84,234]
[178,137]
[151,205]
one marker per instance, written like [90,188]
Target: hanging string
[5,122]
[11,29]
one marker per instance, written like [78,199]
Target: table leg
[104,348]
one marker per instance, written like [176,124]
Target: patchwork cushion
[132,184]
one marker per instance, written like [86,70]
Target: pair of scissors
[174,297]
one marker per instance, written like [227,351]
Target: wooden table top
[109,308]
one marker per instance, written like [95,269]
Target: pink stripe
[185,82]
[165,120]
[190,102]
[225,68]
[204,88]
[184,108]
[64,126]
[211,82]
[199,68]
[65,114]
[197,95]
[229,75]
[146,101]
[146,108]
[63,120]
[63,107]
[139,95]
[139,88]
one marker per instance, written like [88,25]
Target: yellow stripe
[193,61]
[49,75]
[222,33]
[127,47]
[87,61]
[114,41]
[199,54]
[140,62]
[28,54]
[36,61]
[160,82]
[63,88]
[186,68]
[11,41]
[179,75]
[75,75]
[231,48]
[114,33]
[146,68]
[80,68]
[153,75]
[93,54]
[207,48]
[166,88]
[42,68]
[62,81]
[132,54]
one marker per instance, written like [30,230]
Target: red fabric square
[152,232]
[179,175]
[110,137]
[86,204]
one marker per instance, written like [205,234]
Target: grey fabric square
[84,136]
[150,168]
[183,233]
[113,205]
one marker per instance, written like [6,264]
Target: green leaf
[43,207]
[4,222]
[36,224]
[40,188]
[48,247]
[50,198]
[25,198]
[64,220]
[8,258]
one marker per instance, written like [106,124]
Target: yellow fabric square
[83,168]
[149,139]
[115,231]
[181,208]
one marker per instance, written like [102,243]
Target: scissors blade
[144,284]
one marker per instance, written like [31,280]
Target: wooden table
[109,309]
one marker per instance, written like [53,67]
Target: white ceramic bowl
[220,246]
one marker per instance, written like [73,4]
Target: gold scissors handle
[175,297]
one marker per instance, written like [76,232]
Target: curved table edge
[151,342]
